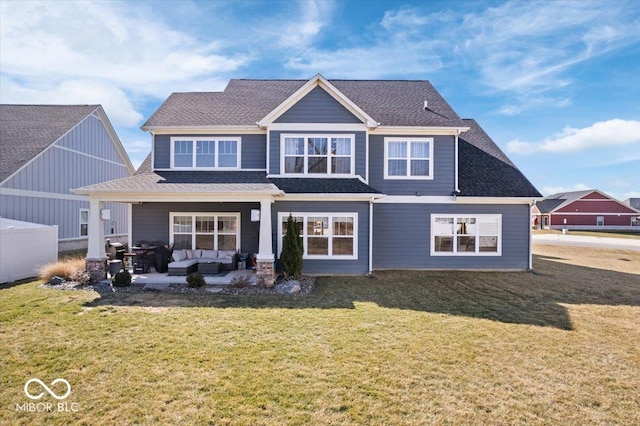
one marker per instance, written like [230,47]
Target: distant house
[633,202]
[589,209]
[379,174]
[48,149]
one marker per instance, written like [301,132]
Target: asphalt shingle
[26,130]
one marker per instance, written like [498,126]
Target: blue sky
[555,84]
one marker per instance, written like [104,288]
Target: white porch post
[96,257]
[265,257]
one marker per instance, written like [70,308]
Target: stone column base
[264,271]
[97,269]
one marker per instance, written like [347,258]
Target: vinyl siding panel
[443,182]
[58,171]
[253,150]
[402,237]
[595,207]
[317,107]
[360,146]
[91,137]
[64,213]
[151,220]
[313,266]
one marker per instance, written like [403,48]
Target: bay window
[466,235]
[324,235]
[408,158]
[317,154]
[205,153]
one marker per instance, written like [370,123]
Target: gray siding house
[46,150]
[379,175]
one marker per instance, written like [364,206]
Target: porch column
[265,258]
[96,258]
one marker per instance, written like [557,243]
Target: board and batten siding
[402,237]
[253,149]
[84,156]
[360,146]
[150,221]
[61,212]
[328,266]
[443,182]
[317,106]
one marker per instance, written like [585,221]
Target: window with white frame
[205,153]
[212,231]
[84,222]
[466,235]
[317,154]
[324,235]
[408,158]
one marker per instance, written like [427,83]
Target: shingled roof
[26,130]
[245,102]
[485,171]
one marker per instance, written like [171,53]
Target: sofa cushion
[209,254]
[226,253]
[197,253]
[182,263]
[179,255]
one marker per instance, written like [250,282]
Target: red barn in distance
[587,210]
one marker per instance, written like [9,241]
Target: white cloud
[601,134]
[302,31]
[122,45]
[116,104]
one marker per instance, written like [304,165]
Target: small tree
[291,255]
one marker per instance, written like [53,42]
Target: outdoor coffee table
[208,268]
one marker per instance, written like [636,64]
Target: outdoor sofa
[186,261]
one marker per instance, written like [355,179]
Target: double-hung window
[318,154]
[324,235]
[466,235]
[212,231]
[408,158]
[205,153]
[84,222]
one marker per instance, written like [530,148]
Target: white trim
[317,80]
[371,235]
[215,233]
[203,130]
[153,152]
[591,214]
[194,156]
[40,194]
[408,141]
[140,196]
[167,169]
[84,154]
[282,216]
[447,199]
[268,161]
[130,222]
[455,165]
[455,253]
[328,156]
[417,130]
[115,139]
[327,197]
[324,127]
[366,159]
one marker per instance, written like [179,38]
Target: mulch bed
[306,284]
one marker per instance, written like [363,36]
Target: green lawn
[557,347]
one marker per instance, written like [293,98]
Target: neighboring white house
[45,150]
[24,248]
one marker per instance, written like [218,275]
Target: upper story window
[317,154]
[205,153]
[408,158]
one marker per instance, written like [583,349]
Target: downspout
[371,236]
[533,203]
[457,190]
[268,151]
